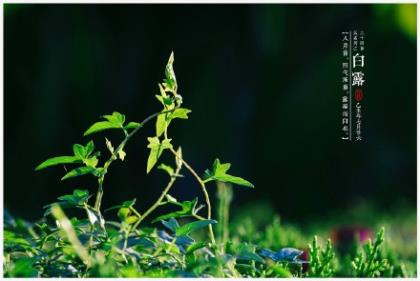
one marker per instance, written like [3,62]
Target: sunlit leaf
[190,227]
[91,162]
[78,172]
[156,149]
[180,113]
[132,125]
[58,160]
[167,169]
[101,126]
[188,209]
[115,118]
[109,146]
[195,246]
[121,154]
[161,123]
[219,173]
[79,151]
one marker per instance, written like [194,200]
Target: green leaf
[132,125]
[23,267]
[171,224]
[78,172]
[161,124]
[188,209]
[180,113]
[247,252]
[156,149]
[170,81]
[164,99]
[121,154]
[247,255]
[125,204]
[91,162]
[190,227]
[79,151]
[58,160]
[83,152]
[101,126]
[90,146]
[171,199]
[167,169]
[234,180]
[99,172]
[123,213]
[109,146]
[195,246]
[163,120]
[115,118]
[131,219]
[219,173]
[78,197]
[129,203]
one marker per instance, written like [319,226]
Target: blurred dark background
[263,83]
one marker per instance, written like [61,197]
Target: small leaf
[132,125]
[170,81]
[195,246]
[80,193]
[247,255]
[79,151]
[247,252]
[163,120]
[180,113]
[121,154]
[109,146]
[171,199]
[285,254]
[78,172]
[178,160]
[131,219]
[129,203]
[167,169]
[92,217]
[234,180]
[156,149]
[123,213]
[188,209]
[58,160]
[90,146]
[190,227]
[171,224]
[101,126]
[219,173]
[116,118]
[161,124]
[78,197]
[91,162]
[98,172]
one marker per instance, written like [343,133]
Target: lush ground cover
[77,238]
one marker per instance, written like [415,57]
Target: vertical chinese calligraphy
[352,83]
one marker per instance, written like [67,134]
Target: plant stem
[157,203]
[203,187]
[99,195]
[114,156]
